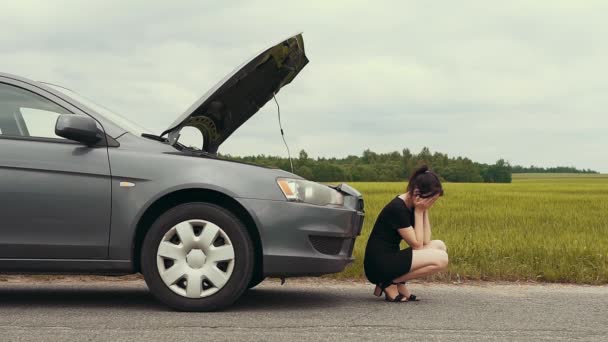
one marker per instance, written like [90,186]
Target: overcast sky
[522,80]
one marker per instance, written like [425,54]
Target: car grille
[327,244]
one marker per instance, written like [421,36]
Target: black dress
[383,260]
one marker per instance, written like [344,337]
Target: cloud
[518,80]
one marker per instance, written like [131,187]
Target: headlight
[299,190]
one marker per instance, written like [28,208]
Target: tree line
[393,166]
[557,169]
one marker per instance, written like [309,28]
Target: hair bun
[422,169]
[423,183]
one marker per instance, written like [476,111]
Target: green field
[541,227]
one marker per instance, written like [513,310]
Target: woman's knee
[443,260]
[440,245]
[437,244]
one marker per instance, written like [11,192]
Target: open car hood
[240,95]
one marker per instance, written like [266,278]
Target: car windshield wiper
[155,137]
[195,151]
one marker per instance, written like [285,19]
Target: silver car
[82,190]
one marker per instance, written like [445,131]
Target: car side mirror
[78,128]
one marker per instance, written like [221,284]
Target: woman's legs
[433,245]
[425,262]
[432,258]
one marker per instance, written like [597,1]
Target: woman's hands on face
[433,200]
[424,204]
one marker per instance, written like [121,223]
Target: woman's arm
[427,222]
[427,228]
[414,237]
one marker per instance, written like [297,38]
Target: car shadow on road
[139,298]
[92,297]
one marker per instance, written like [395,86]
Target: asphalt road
[304,311]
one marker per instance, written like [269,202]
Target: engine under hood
[236,98]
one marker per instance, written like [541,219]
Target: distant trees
[558,169]
[497,173]
[396,166]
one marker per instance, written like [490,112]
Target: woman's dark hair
[424,183]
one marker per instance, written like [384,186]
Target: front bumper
[307,240]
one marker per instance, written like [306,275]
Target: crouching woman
[406,217]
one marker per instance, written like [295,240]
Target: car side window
[26,114]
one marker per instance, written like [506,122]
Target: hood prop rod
[282,132]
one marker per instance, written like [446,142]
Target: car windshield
[118,119]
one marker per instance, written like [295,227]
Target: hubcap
[195,258]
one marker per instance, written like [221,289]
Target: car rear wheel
[197,257]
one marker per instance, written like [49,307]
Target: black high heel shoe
[412,297]
[380,288]
[378,291]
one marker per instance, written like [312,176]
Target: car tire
[168,230]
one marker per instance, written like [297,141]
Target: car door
[55,194]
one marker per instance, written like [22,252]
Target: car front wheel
[197,257]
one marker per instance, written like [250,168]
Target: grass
[540,228]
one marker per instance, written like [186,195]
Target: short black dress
[383,260]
